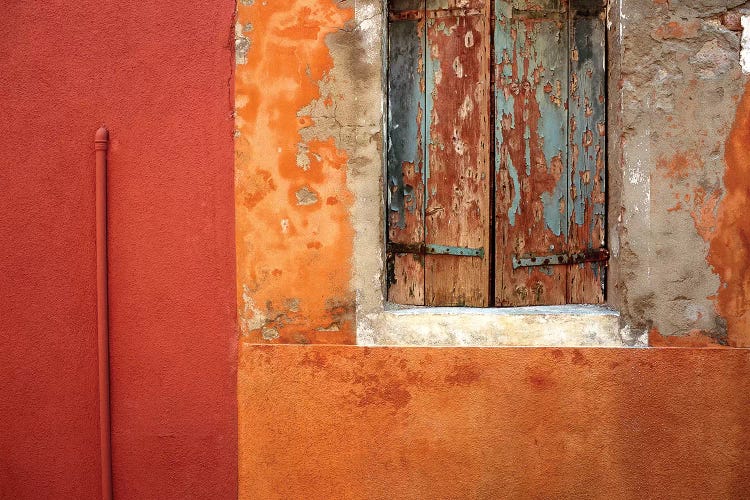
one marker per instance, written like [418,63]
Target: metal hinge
[591,255]
[429,249]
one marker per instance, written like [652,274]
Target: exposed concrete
[592,326]
[675,80]
[359,74]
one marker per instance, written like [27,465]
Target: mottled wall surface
[677,178]
[308,107]
[350,422]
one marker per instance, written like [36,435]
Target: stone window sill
[538,326]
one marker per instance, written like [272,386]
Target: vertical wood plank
[457,168]
[531,88]
[587,114]
[405,156]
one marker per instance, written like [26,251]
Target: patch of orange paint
[729,252]
[677,30]
[675,208]
[694,338]
[704,212]
[293,252]
[679,166]
[703,207]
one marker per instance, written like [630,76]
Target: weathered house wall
[309,170]
[677,170]
[678,151]
[357,422]
[308,147]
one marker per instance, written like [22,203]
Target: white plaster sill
[539,326]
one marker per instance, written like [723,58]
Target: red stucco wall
[159,75]
[321,422]
[314,421]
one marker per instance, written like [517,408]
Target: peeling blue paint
[550,56]
[405,97]
[515,206]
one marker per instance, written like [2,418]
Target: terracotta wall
[344,422]
[159,75]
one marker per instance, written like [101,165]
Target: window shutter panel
[406,154]
[458,153]
[588,155]
[531,148]
[438,151]
[544,124]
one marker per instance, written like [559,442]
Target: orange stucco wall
[335,421]
[294,239]
[379,423]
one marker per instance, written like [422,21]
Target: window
[496,152]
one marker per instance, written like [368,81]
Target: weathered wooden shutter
[587,112]
[406,150]
[549,151]
[438,152]
[548,135]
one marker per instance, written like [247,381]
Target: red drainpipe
[101,144]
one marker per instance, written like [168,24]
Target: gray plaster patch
[241,45]
[306,196]
[270,333]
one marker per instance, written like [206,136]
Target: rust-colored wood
[548,121]
[457,168]
[531,88]
[407,282]
[587,134]
[405,181]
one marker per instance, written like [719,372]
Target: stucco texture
[159,76]
[307,168]
[321,422]
[678,132]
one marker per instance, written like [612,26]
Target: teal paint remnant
[550,63]
[588,116]
[515,206]
[404,107]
